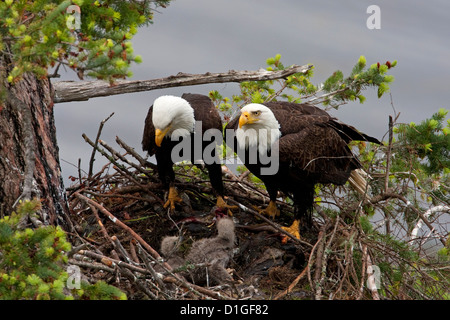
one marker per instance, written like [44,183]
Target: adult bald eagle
[171,118]
[310,145]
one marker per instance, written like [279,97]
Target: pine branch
[66,91]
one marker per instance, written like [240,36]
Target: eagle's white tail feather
[359,180]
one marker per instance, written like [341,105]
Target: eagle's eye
[256,113]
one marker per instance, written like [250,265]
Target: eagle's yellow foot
[293,229]
[271,210]
[222,204]
[172,198]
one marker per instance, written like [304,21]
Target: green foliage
[418,179]
[366,225]
[336,90]
[340,89]
[38,36]
[32,262]
[429,140]
[423,151]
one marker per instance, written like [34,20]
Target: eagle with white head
[171,118]
[312,148]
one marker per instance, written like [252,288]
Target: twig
[92,159]
[204,291]
[122,225]
[133,251]
[388,195]
[119,167]
[90,265]
[325,252]
[388,154]
[370,279]
[131,151]
[363,271]
[292,285]
[419,213]
[149,267]
[103,152]
[121,249]
[429,212]
[110,262]
[102,227]
[115,195]
[260,216]
[121,157]
[320,261]
[137,282]
[180,281]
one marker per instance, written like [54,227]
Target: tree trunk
[29,161]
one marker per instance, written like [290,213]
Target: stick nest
[117,222]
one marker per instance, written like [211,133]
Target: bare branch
[66,91]
[122,225]
[91,161]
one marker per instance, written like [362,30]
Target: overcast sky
[197,36]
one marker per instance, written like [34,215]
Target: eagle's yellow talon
[222,204]
[271,210]
[172,198]
[293,230]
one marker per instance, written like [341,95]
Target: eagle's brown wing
[204,111]
[148,137]
[317,150]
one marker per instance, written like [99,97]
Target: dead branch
[143,288]
[388,154]
[121,157]
[94,149]
[370,276]
[131,151]
[204,291]
[122,225]
[102,227]
[260,216]
[66,91]
[292,285]
[110,262]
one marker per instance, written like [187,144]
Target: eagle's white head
[257,127]
[172,117]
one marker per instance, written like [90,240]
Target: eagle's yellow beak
[246,118]
[159,135]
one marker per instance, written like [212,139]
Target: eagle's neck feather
[262,135]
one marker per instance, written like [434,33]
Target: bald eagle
[171,118]
[310,146]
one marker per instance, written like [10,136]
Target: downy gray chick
[170,250]
[214,254]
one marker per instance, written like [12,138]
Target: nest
[117,223]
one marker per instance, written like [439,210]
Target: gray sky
[197,36]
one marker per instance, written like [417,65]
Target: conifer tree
[33,263]
[91,37]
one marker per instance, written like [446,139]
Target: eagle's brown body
[313,148]
[204,111]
